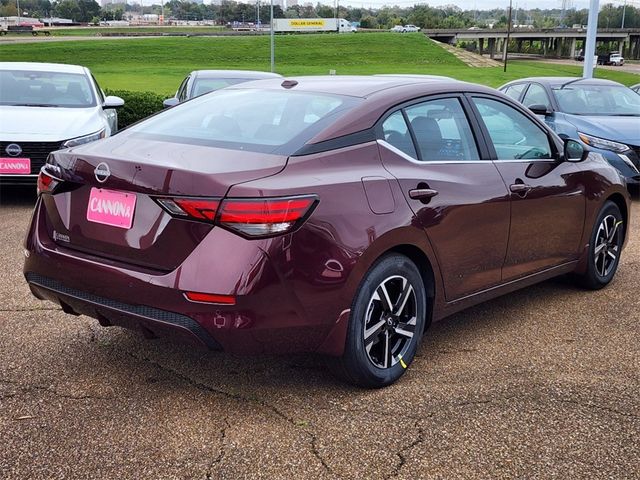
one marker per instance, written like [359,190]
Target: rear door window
[536,95]
[514,91]
[442,130]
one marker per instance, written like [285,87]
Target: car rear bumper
[267,316]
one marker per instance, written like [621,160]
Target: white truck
[313,25]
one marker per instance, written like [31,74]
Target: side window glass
[182,91]
[514,135]
[536,96]
[442,131]
[514,91]
[98,89]
[396,133]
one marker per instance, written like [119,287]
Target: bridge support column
[558,47]
[518,46]
[545,46]
[480,45]
[492,48]
[573,47]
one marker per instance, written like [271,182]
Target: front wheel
[387,322]
[605,248]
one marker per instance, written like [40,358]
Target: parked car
[45,107]
[601,113]
[635,88]
[200,82]
[335,214]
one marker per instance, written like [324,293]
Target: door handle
[520,188]
[422,193]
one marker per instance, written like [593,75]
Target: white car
[45,107]
[616,59]
[405,29]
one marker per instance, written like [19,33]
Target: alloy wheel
[607,245]
[390,322]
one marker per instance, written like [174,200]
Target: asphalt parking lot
[542,383]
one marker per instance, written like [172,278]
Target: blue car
[603,114]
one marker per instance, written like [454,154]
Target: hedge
[137,105]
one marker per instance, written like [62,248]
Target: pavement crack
[401,454]
[237,396]
[599,407]
[220,456]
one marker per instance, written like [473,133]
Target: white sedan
[45,107]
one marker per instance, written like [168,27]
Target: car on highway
[613,58]
[46,107]
[601,113]
[200,82]
[405,29]
[335,214]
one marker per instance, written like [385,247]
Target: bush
[137,105]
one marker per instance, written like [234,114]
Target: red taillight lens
[196,208]
[211,298]
[46,183]
[250,217]
[261,217]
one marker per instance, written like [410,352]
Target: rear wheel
[386,324]
[605,248]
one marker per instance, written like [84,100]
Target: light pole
[18,6]
[624,10]
[273,46]
[506,43]
[590,42]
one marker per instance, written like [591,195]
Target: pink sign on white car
[111,208]
[17,166]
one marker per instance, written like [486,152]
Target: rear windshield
[45,89]
[247,119]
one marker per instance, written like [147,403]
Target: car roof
[553,81]
[41,67]
[362,86]
[249,74]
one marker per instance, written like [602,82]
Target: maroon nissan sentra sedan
[338,215]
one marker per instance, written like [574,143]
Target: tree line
[424,16]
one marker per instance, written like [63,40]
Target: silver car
[200,82]
[45,107]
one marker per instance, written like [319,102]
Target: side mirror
[112,102]
[170,102]
[539,109]
[574,151]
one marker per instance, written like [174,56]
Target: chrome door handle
[521,188]
[422,193]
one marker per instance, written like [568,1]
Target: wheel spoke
[403,332]
[613,232]
[382,295]
[610,253]
[370,334]
[402,301]
[598,249]
[387,353]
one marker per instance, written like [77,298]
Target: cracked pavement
[537,384]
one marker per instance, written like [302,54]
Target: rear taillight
[249,217]
[46,182]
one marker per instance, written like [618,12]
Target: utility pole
[506,43]
[624,10]
[273,46]
[590,42]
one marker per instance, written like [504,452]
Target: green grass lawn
[159,64]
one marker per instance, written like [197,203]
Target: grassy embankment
[158,64]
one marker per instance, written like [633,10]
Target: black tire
[390,348]
[602,265]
